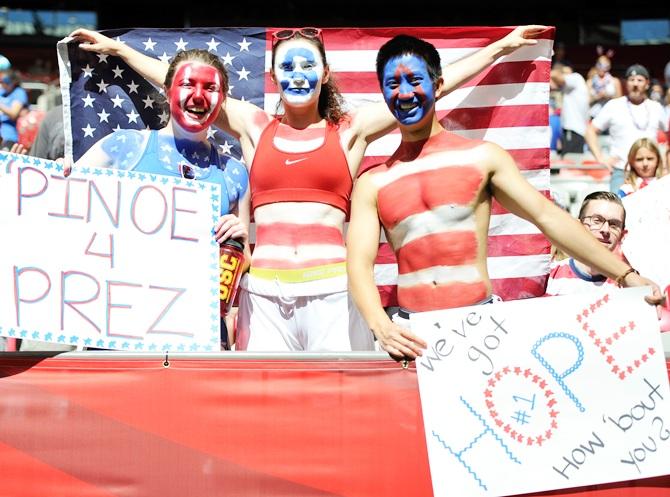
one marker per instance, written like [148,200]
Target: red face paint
[195,96]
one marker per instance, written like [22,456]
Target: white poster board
[107,258]
[646,244]
[543,394]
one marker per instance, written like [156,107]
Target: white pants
[321,323]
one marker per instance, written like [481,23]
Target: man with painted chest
[433,198]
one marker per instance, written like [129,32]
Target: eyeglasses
[596,222]
[288,33]
[186,171]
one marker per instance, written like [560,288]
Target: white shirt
[575,108]
[627,122]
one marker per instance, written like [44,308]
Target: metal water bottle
[231,260]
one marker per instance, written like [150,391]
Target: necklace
[632,116]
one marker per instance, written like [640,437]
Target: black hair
[409,45]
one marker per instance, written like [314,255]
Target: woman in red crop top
[302,164]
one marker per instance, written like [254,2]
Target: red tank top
[321,175]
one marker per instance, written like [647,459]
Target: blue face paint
[298,71]
[408,89]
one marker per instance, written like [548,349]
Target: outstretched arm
[362,244]
[518,196]
[236,117]
[457,73]
[91,41]
[373,121]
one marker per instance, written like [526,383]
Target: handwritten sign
[542,394]
[107,258]
[647,241]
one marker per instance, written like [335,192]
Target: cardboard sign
[108,258]
[542,394]
[646,244]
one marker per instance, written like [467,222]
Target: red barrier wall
[219,427]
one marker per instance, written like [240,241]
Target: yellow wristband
[620,279]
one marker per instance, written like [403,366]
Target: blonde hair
[630,176]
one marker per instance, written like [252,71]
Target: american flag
[507,104]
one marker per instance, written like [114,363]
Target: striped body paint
[195,96]
[426,199]
[285,245]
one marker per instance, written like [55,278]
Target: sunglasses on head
[288,33]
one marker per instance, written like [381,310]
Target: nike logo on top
[295,161]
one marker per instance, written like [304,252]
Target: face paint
[299,71]
[195,96]
[408,89]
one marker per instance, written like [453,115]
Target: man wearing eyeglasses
[604,216]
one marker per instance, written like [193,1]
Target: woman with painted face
[302,161]
[195,86]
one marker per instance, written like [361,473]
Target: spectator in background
[560,55]
[574,108]
[656,92]
[50,140]
[604,216]
[602,85]
[643,167]
[627,119]
[13,100]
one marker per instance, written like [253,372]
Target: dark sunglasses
[288,33]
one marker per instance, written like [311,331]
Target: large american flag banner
[507,104]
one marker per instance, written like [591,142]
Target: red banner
[217,427]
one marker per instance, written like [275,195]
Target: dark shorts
[572,143]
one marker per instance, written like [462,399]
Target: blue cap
[4,63]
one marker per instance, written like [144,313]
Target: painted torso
[434,208]
[303,229]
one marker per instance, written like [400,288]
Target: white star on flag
[243,74]
[181,44]
[132,87]
[102,57]
[102,86]
[226,148]
[132,117]
[88,71]
[212,44]
[148,102]
[118,72]
[149,45]
[103,116]
[227,59]
[117,101]
[88,131]
[88,101]
[244,45]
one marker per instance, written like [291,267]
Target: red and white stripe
[506,104]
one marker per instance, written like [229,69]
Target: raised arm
[91,41]
[373,121]
[362,244]
[457,73]
[518,196]
[236,117]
